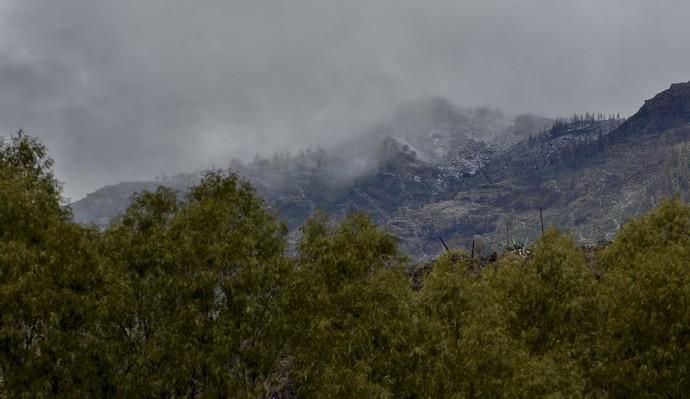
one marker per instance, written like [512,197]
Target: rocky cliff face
[667,110]
[439,171]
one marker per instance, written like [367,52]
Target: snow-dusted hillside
[474,174]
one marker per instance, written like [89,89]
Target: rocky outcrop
[666,110]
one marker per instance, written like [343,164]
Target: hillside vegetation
[197,298]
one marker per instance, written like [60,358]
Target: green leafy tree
[48,278]
[194,290]
[529,324]
[233,247]
[645,344]
[486,350]
[142,300]
[448,298]
[357,331]
[549,296]
[559,314]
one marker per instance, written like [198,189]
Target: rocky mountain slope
[589,176]
[427,147]
[436,170]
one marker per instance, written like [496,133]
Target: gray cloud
[125,89]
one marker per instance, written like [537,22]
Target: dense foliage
[196,296]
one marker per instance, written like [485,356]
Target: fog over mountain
[125,89]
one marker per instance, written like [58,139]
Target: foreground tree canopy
[196,296]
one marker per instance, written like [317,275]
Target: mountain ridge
[477,175]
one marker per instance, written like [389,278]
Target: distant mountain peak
[666,110]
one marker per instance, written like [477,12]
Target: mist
[128,89]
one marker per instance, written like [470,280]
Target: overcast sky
[125,89]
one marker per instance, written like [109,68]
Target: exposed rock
[668,109]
